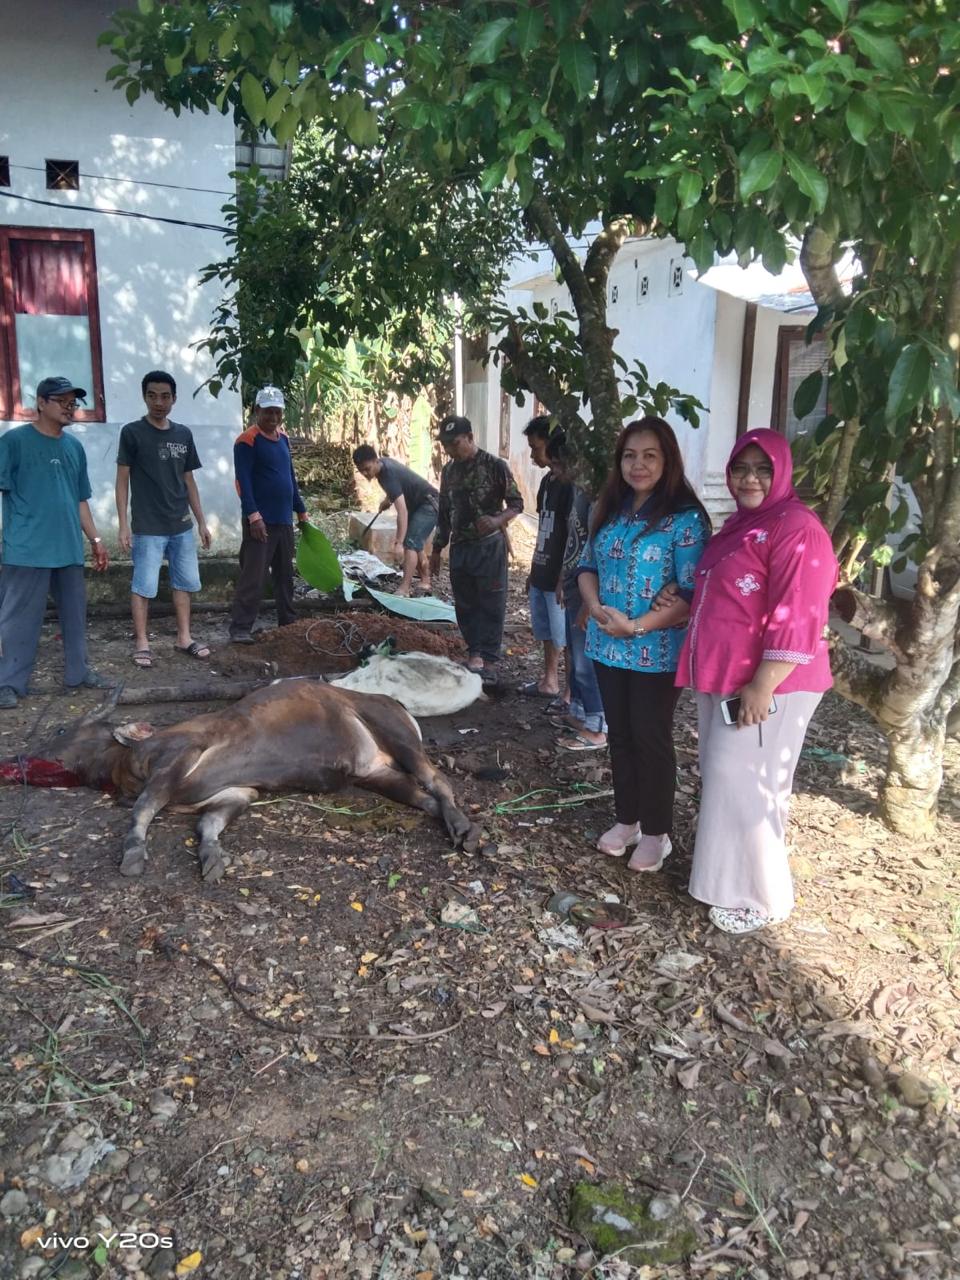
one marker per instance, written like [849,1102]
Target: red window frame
[12,406]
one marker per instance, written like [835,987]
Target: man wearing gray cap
[478,499]
[269,495]
[45,486]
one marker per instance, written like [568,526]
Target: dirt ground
[365,1055]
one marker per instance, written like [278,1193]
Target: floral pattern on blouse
[632,563]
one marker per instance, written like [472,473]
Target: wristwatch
[94,541]
[636,627]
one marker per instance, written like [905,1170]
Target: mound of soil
[316,646]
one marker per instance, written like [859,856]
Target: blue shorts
[422,522]
[548,618]
[149,550]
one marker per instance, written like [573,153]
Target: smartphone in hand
[730,709]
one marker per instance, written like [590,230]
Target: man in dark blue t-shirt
[268,497]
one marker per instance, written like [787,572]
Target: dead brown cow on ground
[295,735]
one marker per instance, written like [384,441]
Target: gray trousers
[478,579]
[23,599]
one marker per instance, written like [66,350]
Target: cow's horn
[103,710]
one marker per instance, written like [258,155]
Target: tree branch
[878,620]
[841,474]
[533,375]
[601,254]
[858,679]
[817,265]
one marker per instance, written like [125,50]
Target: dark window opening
[63,175]
[4,171]
[796,359]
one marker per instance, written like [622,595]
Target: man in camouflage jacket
[478,499]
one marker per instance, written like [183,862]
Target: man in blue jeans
[46,512]
[546,615]
[156,459]
[584,725]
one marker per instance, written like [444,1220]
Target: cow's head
[88,747]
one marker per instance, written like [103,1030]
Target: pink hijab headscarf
[781,498]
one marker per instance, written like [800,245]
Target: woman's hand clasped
[612,622]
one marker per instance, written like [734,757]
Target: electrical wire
[136,182]
[118,213]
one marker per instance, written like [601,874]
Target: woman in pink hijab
[762,589]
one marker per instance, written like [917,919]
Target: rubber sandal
[579,743]
[531,689]
[599,915]
[142,658]
[194,650]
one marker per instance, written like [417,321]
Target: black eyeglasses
[69,405]
[740,471]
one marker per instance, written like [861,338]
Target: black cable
[134,182]
[119,213]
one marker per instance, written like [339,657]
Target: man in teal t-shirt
[43,478]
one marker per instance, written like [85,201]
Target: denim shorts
[149,550]
[548,618]
[422,522]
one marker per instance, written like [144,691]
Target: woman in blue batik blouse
[648,528]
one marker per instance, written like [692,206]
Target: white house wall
[57,105]
[671,330]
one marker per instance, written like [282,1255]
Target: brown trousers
[257,559]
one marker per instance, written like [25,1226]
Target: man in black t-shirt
[546,613]
[156,459]
[416,501]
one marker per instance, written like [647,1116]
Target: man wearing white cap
[268,497]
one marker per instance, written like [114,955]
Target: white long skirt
[740,855]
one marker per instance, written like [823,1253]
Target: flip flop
[142,658]
[599,915]
[579,743]
[531,689]
[194,650]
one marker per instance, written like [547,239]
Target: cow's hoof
[212,867]
[469,841]
[134,861]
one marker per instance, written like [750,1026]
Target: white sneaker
[741,919]
[657,847]
[618,839]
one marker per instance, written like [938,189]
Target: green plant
[748,1181]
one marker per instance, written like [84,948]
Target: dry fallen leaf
[189,1263]
[357,906]
[527,1180]
[30,1235]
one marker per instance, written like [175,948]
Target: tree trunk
[908,796]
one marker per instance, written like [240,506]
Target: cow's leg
[464,833]
[398,785]
[154,797]
[427,790]
[217,812]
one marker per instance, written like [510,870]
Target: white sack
[426,685]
